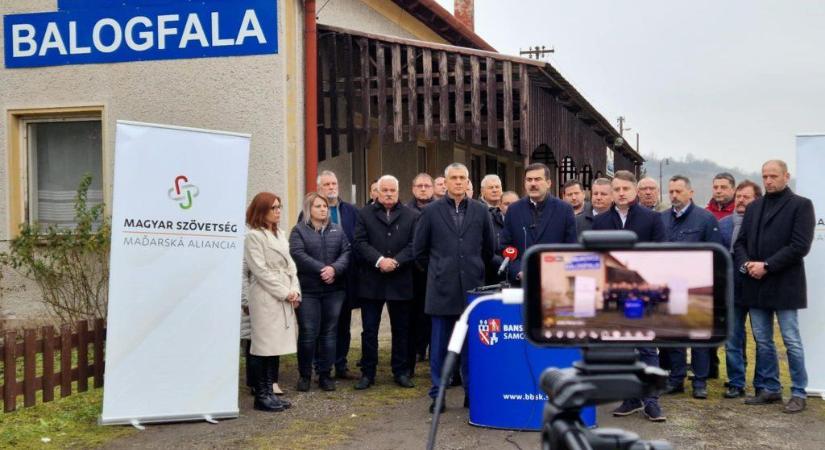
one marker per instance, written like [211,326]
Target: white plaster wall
[355,15]
[241,94]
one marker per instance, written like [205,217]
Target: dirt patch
[389,417]
[692,424]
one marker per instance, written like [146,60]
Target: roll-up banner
[810,159]
[175,284]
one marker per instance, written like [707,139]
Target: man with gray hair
[649,194]
[383,242]
[454,239]
[423,195]
[491,196]
[344,214]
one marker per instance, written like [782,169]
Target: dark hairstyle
[571,183]
[625,175]
[748,183]
[681,178]
[538,166]
[725,176]
[257,210]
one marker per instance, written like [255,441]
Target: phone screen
[620,297]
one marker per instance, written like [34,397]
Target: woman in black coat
[321,252]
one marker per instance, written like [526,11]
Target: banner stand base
[816,393]
[140,423]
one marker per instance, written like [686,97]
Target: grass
[67,423]
[72,422]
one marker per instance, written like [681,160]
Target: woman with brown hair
[274,293]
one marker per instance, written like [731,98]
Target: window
[587,177]
[422,158]
[55,153]
[567,170]
[475,173]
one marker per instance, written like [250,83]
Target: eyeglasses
[423,186]
[276,207]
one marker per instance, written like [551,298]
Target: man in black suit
[454,239]
[423,195]
[628,214]
[491,196]
[383,242]
[601,198]
[538,218]
[776,234]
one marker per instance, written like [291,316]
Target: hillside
[700,172]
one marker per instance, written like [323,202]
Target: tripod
[603,376]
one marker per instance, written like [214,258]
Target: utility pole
[622,129]
[661,188]
[536,52]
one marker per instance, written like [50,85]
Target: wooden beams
[427,58]
[397,113]
[443,97]
[413,92]
[492,114]
[459,97]
[382,93]
[508,105]
[475,99]
[364,53]
[524,113]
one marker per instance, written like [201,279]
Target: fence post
[100,337]
[10,371]
[48,363]
[82,356]
[29,366]
[65,360]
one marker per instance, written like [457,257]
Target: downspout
[310,97]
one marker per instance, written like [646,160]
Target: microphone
[510,253]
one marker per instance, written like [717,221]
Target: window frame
[19,154]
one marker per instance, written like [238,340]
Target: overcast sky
[733,81]
[696,268]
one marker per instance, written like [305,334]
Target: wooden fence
[70,342]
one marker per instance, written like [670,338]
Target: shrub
[69,265]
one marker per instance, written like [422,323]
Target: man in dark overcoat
[383,242]
[538,218]
[422,190]
[776,234]
[454,239]
[628,214]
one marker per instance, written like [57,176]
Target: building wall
[260,95]
[374,16]
[555,126]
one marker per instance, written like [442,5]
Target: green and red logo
[183,193]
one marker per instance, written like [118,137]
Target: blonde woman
[322,253]
[273,295]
